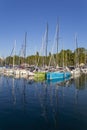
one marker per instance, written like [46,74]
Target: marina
[44,73]
[44,91]
[43,64]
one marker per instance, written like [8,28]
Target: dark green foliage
[63,58]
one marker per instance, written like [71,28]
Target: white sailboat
[76,71]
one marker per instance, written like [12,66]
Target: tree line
[63,58]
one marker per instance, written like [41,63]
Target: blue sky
[31,16]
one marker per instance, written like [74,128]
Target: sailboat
[57,73]
[10,70]
[76,71]
[84,65]
[40,74]
[23,72]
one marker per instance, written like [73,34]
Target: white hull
[76,71]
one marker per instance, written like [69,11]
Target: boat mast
[25,47]
[14,54]
[76,52]
[46,38]
[63,55]
[57,40]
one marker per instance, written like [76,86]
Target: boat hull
[40,76]
[57,75]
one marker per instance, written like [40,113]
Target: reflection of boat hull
[58,81]
[57,75]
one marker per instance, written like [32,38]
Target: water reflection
[13,92]
[49,103]
[81,82]
[60,82]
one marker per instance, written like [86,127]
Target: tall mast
[46,38]
[25,45]
[14,53]
[57,40]
[57,35]
[76,53]
[25,48]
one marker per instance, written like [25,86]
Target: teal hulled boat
[57,75]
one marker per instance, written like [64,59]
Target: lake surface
[28,105]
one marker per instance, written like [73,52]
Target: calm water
[28,105]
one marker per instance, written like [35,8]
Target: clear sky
[31,16]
